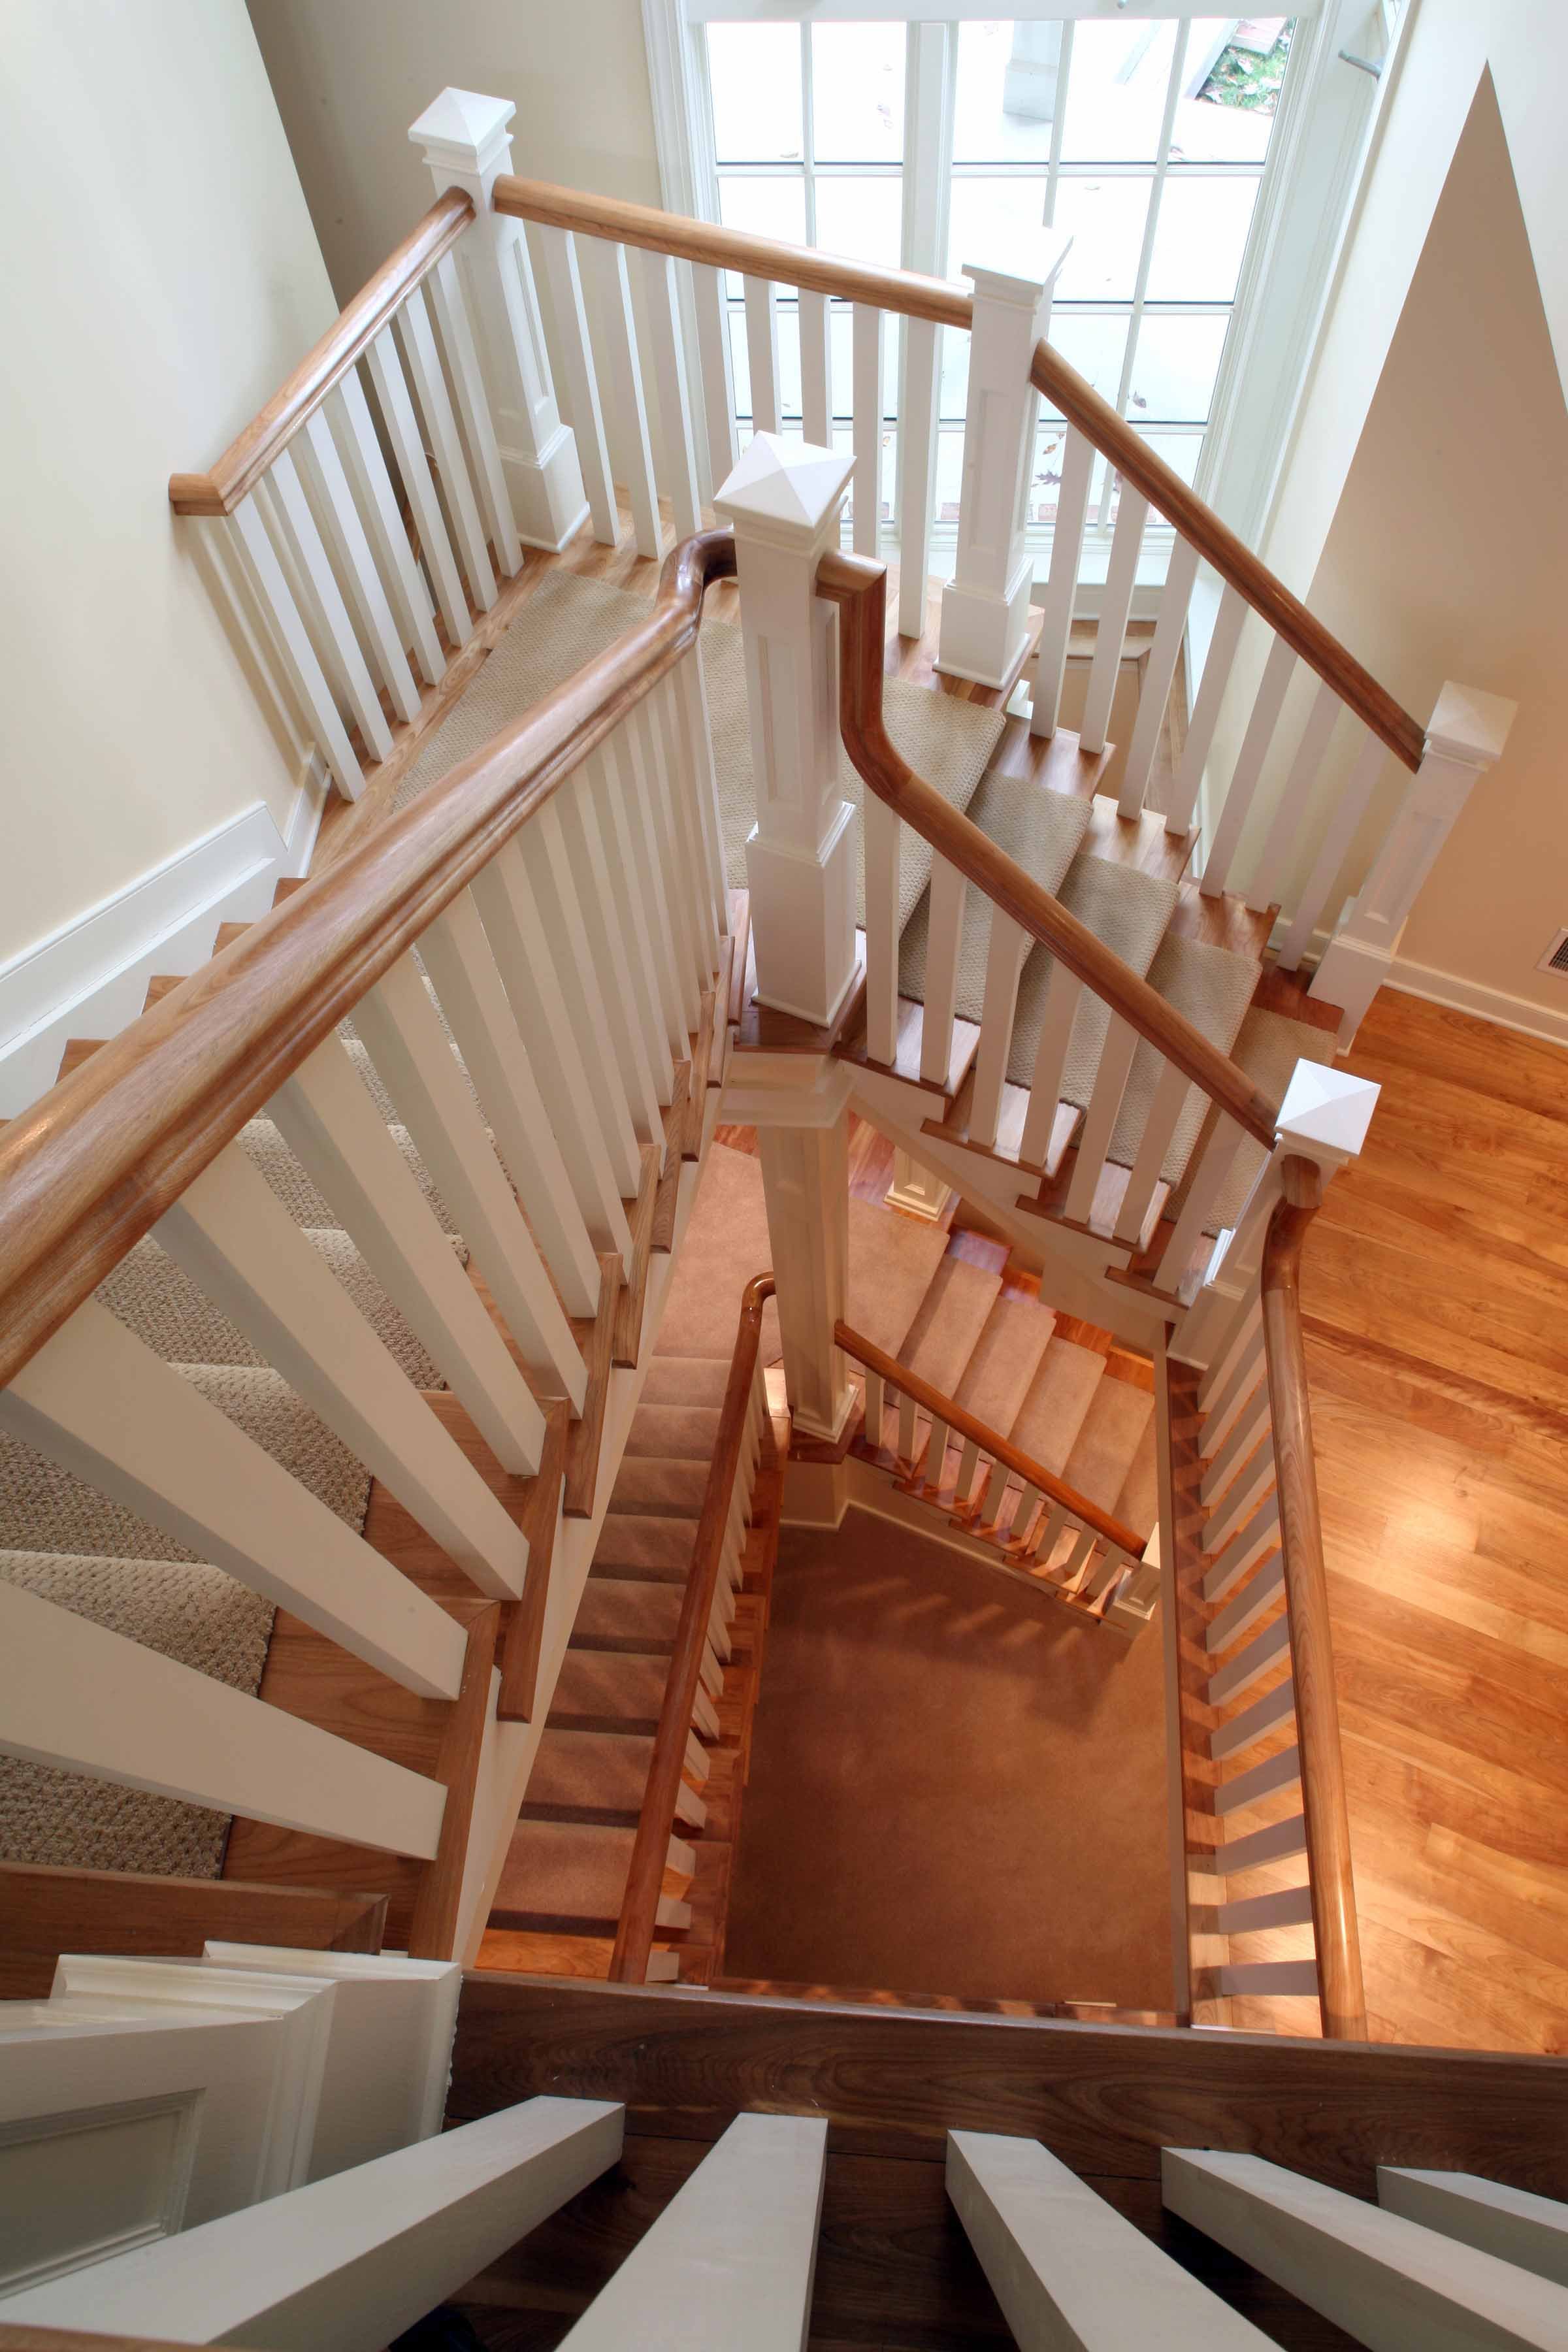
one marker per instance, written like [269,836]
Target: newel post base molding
[915,1190]
[799,1105]
[784,500]
[1468,734]
[464,138]
[985,605]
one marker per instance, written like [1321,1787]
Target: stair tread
[673,1433]
[603,1771]
[892,1263]
[660,1488]
[1007,1356]
[1116,1424]
[630,1612]
[953,1314]
[609,1690]
[1047,1427]
[686,1381]
[1138,1504]
[1129,911]
[565,1870]
[1040,830]
[645,1544]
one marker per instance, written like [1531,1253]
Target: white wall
[161,274]
[350,76]
[1422,512]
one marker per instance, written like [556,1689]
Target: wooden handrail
[220,489]
[93,1164]
[1342,1998]
[858,587]
[901,290]
[915,297]
[943,1408]
[1199,525]
[656,1824]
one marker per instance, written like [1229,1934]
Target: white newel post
[784,500]
[467,144]
[1465,736]
[985,606]
[916,1190]
[805,1183]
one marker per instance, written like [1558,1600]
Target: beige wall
[351,75]
[1423,512]
[168,275]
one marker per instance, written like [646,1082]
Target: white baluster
[97,1401]
[1249,1665]
[968,1463]
[944,934]
[474,408]
[1028,1503]
[624,379]
[238,1242]
[1008,946]
[1100,1123]
[691,695]
[430,388]
[562,275]
[612,946]
[76,1696]
[805,1185]
[1467,735]
[1254,1601]
[1062,994]
[876,1407]
[763,353]
[866,499]
[1229,1458]
[688,790]
[650,720]
[1171,1091]
[936,1453]
[882,827]
[800,859]
[1264,1716]
[906,1428]
[1077,1559]
[541,848]
[1229,622]
[1340,829]
[1292,811]
[277,600]
[356,566]
[329,1122]
[1243,1552]
[311,561]
[1159,670]
[457,955]
[1061,585]
[1214,1166]
[464,139]
[917,471]
[816,368]
[1268,704]
[515,924]
[717,365]
[668,355]
[626,801]
[1050,1534]
[401,1032]
[413,466]
[361,452]
[1110,631]
[985,608]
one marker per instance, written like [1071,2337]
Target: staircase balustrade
[738,1452]
[536,1025]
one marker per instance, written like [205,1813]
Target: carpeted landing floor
[950,1789]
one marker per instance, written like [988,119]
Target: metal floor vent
[1556,956]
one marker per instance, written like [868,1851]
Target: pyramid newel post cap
[1468,726]
[785,494]
[1326,1111]
[466,131]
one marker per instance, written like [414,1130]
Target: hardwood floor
[1435,1287]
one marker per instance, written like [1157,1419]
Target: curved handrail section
[1012,1457]
[220,489]
[96,1160]
[656,1824]
[911,295]
[1341,1998]
[858,587]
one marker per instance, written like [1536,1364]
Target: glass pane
[1106,218]
[1047,479]
[1200,239]
[1005,94]
[1174,366]
[1116,92]
[1231,75]
[949,473]
[1181,451]
[740,363]
[1095,346]
[772,207]
[953,384]
[858,93]
[841,361]
[753,73]
[789,362]
[861,219]
[988,218]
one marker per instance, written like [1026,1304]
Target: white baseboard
[89,977]
[1460,995]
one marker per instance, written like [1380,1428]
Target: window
[1150,135]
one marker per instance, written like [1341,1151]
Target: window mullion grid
[1146,256]
[1058,124]
[807,134]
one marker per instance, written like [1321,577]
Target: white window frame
[1315,155]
